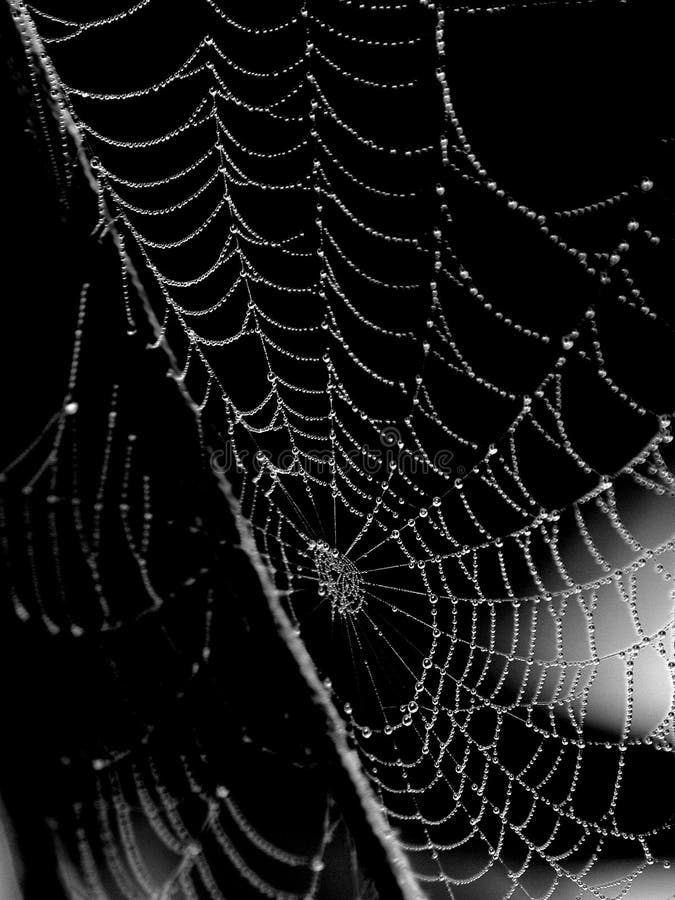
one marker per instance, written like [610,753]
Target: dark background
[565,104]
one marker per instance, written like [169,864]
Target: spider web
[420,364]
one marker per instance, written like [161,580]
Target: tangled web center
[339,580]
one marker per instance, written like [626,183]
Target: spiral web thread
[308,261]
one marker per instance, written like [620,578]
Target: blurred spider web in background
[436,376]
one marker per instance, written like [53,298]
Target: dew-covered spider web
[412,267]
